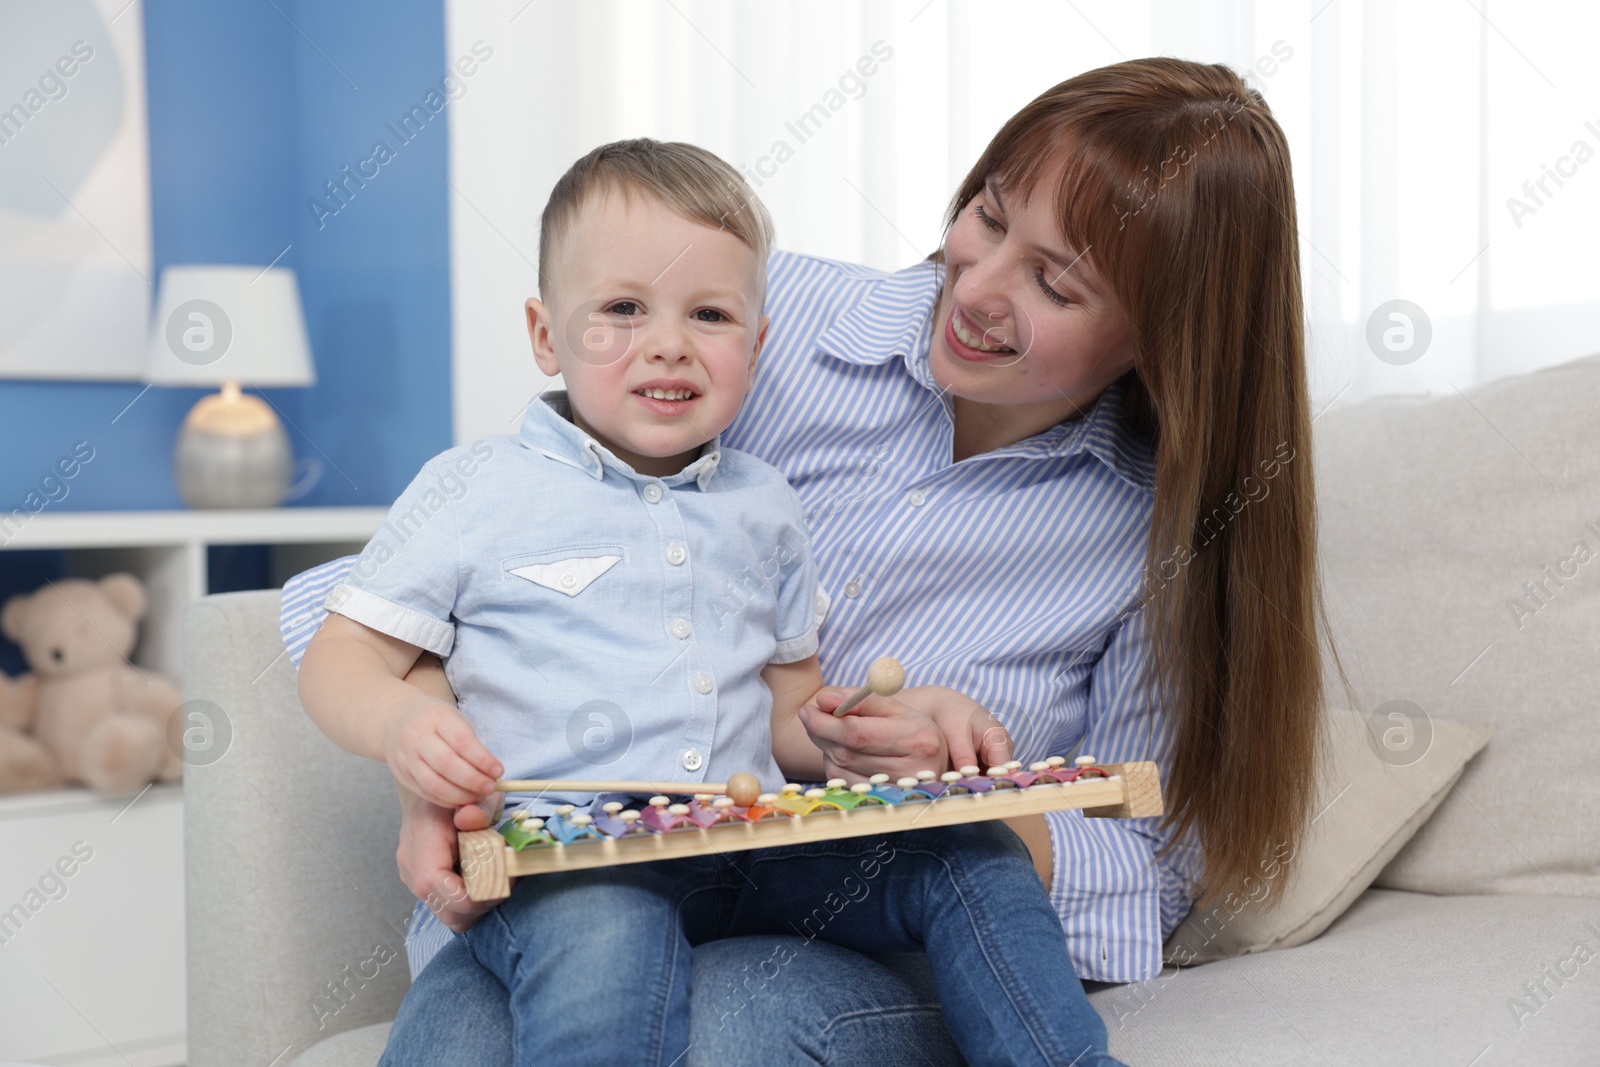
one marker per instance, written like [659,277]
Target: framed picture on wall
[75,268]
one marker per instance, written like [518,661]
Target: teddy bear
[84,713]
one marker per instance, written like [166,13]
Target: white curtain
[1444,150]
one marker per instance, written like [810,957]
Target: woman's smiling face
[1023,320]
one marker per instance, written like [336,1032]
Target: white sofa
[1477,944]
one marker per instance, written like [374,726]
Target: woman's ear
[539,335]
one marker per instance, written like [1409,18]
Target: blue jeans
[598,963]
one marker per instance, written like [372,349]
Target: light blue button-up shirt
[596,622]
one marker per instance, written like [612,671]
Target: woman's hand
[432,752]
[880,734]
[972,734]
[427,858]
[928,727]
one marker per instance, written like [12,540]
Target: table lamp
[229,326]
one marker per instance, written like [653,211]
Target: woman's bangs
[1092,191]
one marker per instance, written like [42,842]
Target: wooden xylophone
[710,824]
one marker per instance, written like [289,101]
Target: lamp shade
[216,324]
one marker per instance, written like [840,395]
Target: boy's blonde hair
[689,180]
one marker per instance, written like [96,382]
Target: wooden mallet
[884,677]
[741,788]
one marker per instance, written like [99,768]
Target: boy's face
[654,323]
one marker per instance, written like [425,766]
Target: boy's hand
[432,752]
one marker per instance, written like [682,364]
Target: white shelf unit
[95,975]
[91,950]
[167,549]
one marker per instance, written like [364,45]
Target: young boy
[616,595]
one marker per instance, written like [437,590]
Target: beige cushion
[1367,808]
[1401,978]
[1435,513]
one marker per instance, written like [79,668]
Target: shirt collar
[548,428]
[1107,433]
[892,318]
[1103,432]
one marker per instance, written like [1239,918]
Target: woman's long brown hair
[1174,180]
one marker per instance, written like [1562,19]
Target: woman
[1061,471]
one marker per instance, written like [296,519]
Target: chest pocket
[568,571]
[571,575]
[580,602]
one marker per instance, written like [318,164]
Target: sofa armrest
[295,914]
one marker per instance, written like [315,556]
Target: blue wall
[248,119]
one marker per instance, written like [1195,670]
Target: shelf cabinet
[91,888]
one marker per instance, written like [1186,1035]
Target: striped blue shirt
[1012,576]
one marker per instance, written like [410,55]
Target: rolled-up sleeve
[402,584]
[1118,902]
[405,581]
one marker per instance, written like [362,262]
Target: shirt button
[916,497]
[681,628]
[676,555]
[652,493]
[702,683]
[692,760]
[852,589]
[568,581]
[819,605]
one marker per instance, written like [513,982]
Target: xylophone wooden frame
[488,863]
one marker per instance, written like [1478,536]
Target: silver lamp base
[232,453]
